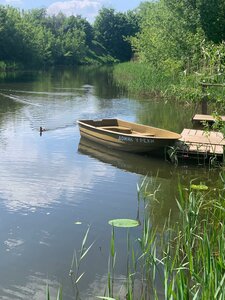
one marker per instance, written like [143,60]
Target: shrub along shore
[179,45]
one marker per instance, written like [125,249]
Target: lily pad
[126,223]
[199,187]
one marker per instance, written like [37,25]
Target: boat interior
[120,127]
[130,128]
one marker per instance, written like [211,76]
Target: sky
[86,8]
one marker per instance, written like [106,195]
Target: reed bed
[143,79]
[149,81]
[182,260]
[185,260]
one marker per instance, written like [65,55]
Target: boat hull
[115,135]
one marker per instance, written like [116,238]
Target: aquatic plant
[125,223]
[185,260]
[142,79]
[78,257]
[59,294]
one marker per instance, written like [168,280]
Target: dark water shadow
[135,163]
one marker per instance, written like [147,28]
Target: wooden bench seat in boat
[118,129]
[126,130]
[143,133]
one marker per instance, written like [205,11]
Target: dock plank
[185,131]
[200,141]
[207,118]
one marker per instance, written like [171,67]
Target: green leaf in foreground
[199,187]
[126,223]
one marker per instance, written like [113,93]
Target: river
[53,187]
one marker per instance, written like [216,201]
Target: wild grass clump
[193,261]
[185,260]
[182,260]
[143,79]
[147,80]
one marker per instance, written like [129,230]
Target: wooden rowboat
[126,136]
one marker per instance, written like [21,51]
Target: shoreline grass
[148,81]
[184,260]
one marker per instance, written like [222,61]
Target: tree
[112,29]
[80,24]
[168,38]
[212,18]
[74,47]
[10,37]
[48,40]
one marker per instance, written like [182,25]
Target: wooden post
[204,100]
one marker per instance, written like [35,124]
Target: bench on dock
[198,118]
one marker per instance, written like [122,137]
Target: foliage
[175,44]
[144,79]
[177,39]
[111,28]
[212,18]
[60,40]
[124,223]
[166,39]
[2,65]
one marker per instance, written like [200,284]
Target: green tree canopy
[112,29]
[58,39]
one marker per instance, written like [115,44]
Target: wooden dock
[198,118]
[200,143]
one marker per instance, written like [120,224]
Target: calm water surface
[49,182]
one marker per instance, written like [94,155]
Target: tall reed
[185,260]
[147,80]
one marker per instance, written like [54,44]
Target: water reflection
[167,115]
[162,177]
[34,288]
[139,164]
[13,244]
[49,182]
[99,286]
[36,174]
[31,185]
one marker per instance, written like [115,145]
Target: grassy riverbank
[146,80]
